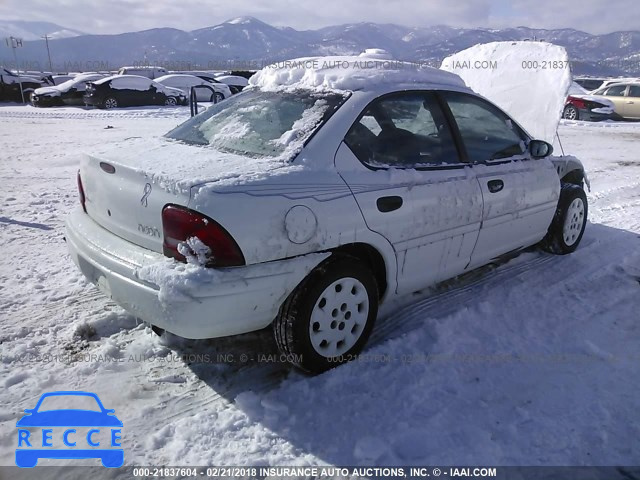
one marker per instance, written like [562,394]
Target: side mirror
[540,148]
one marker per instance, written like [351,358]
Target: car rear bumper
[594,116]
[195,302]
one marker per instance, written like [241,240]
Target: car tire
[328,318]
[110,103]
[571,113]
[170,101]
[218,97]
[569,222]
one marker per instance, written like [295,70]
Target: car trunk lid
[128,200]
[127,188]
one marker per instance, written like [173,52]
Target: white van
[149,72]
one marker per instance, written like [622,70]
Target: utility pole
[14,43]
[46,39]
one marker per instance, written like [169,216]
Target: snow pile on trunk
[528,80]
[347,74]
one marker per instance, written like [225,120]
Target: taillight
[577,102]
[180,225]
[81,193]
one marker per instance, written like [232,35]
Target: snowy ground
[535,362]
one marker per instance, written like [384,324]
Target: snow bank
[528,80]
[347,73]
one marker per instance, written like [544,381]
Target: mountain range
[248,43]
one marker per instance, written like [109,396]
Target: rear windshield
[259,124]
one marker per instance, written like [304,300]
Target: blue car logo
[57,430]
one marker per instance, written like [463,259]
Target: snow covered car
[148,71]
[624,98]
[10,84]
[235,82]
[185,82]
[327,187]
[131,90]
[588,107]
[70,92]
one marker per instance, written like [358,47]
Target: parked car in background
[235,82]
[306,208]
[149,72]
[58,79]
[612,81]
[10,84]
[625,98]
[131,90]
[582,106]
[589,83]
[185,82]
[70,92]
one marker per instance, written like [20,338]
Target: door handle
[389,204]
[495,185]
[629,102]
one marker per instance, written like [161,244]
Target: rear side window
[260,124]
[634,91]
[616,91]
[486,131]
[404,130]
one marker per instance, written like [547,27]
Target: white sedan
[326,188]
[215,93]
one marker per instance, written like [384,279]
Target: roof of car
[348,73]
[111,77]
[623,82]
[177,75]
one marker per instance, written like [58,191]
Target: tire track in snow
[100,114]
[261,378]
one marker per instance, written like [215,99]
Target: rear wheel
[327,319]
[110,103]
[569,222]
[570,113]
[170,101]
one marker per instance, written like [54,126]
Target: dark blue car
[99,418]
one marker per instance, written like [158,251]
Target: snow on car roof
[106,79]
[348,73]
[178,76]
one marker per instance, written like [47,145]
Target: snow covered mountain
[247,42]
[35,30]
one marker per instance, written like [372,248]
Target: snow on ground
[533,362]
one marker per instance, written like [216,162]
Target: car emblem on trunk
[145,196]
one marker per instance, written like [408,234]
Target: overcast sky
[117,16]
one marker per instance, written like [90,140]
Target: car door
[144,92]
[404,169]
[519,193]
[632,102]
[616,93]
[120,89]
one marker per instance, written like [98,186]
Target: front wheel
[218,97]
[569,222]
[170,102]
[327,319]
